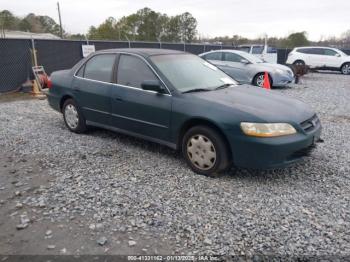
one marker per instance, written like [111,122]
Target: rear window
[213,56]
[257,49]
[100,68]
[271,50]
[303,50]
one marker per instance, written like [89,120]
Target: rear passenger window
[304,50]
[316,51]
[100,68]
[257,49]
[213,56]
[80,73]
[132,71]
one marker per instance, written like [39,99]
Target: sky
[248,18]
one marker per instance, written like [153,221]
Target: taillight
[49,82]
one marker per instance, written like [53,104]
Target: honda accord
[181,101]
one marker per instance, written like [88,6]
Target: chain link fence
[16,55]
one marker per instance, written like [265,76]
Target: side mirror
[337,55]
[245,61]
[153,85]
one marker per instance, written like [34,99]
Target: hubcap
[201,152]
[346,69]
[71,116]
[260,80]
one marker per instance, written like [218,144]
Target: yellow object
[36,91]
[267,129]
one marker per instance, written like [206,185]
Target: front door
[233,66]
[146,113]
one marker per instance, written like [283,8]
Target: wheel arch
[63,99]
[197,121]
[261,73]
[348,62]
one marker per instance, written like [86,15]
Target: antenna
[59,17]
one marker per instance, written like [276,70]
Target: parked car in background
[322,58]
[264,52]
[249,69]
[181,101]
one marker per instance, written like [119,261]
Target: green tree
[106,30]
[8,21]
[296,39]
[172,30]
[188,27]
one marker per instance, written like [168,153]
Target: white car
[323,58]
[264,52]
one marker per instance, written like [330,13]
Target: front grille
[310,124]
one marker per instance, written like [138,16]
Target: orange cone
[266,84]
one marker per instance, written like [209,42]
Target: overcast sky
[249,18]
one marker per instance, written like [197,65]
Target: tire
[299,63]
[259,80]
[205,151]
[345,69]
[73,118]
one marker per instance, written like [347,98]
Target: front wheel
[205,151]
[259,80]
[72,116]
[345,69]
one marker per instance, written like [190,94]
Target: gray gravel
[120,184]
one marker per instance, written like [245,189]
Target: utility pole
[59,17]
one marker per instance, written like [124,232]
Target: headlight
[280,71]
[268,129]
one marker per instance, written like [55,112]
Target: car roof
[145,52]
[310,47]
[226,50]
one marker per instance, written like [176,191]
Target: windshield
[244,48]
[189,72]
[341,52]
[252,58]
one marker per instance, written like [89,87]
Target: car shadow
[128,140]
[233,173]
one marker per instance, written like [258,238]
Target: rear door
[315,57]
[92,86]
[136,110]
[215,58]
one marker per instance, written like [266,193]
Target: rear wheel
[73,117]
[345,69]
[205,151]
[299,63]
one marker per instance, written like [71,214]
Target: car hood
[261,104]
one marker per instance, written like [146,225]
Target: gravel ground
[105,193]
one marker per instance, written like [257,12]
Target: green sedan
[181,101]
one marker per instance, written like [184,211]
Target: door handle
[117,98]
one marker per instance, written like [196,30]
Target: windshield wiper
[197,90]
[223,86]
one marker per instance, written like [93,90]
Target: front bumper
[269,153]
[283,79]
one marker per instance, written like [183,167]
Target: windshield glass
[244,48]
[341,52]
[188,72]
[252,58]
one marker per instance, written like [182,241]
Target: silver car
[249,69]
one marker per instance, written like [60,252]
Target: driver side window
[132,71]
[231,57]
